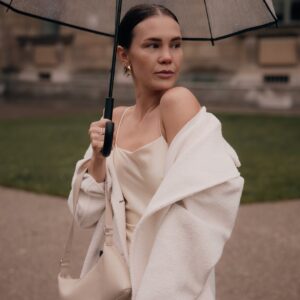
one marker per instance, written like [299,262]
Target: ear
[122,54]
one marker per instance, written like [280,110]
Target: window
[276,78]
[295,10]
[285,54]
[287,11]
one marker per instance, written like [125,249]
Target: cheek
[145,63]
[179,57]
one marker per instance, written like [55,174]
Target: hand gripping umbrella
[200,20]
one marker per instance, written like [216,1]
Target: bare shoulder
[116,117]
[117,113]
[178,105]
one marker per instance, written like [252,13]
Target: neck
[146,102]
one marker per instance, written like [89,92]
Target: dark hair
[135,15]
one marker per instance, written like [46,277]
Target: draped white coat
[180,237]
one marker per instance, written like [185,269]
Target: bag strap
[108,227]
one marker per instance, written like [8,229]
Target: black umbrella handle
[109,127]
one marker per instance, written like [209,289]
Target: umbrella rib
[211,37]
[9,7]
[244,31]
[230,34]
[267,5]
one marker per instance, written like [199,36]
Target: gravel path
[260,261]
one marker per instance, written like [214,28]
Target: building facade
[259,69]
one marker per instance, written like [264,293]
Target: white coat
[180,237]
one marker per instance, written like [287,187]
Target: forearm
[91,201]
[97,168]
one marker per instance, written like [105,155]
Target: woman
[174,179]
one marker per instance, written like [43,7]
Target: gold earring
[127,70]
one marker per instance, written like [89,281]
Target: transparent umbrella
[200,20]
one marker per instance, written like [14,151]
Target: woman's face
[156,46]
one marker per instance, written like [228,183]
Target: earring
[127,70]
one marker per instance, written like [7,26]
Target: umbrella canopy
[206,20]
[200,20]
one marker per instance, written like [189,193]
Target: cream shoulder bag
[109,278]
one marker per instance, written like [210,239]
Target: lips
[165,72]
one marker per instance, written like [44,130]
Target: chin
[164,85]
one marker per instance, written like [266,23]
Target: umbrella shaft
[116,41]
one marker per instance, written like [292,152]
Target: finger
[99,130]
[96,123]
[101,122]
[92,127]
[95,136]
[96,145]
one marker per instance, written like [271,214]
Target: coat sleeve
[91,200]
[189,244]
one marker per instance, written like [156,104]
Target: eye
[178,45]
[154,45]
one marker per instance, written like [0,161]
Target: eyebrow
[158,39]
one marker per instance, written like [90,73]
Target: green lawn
[39,154]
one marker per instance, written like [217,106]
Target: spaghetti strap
[160,127]
[123,114]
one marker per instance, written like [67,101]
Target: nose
[166,56]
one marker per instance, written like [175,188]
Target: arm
[91,201]
[190,242]
[177,106]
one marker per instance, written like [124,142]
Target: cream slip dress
[139,172]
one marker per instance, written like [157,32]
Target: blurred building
[259,69]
